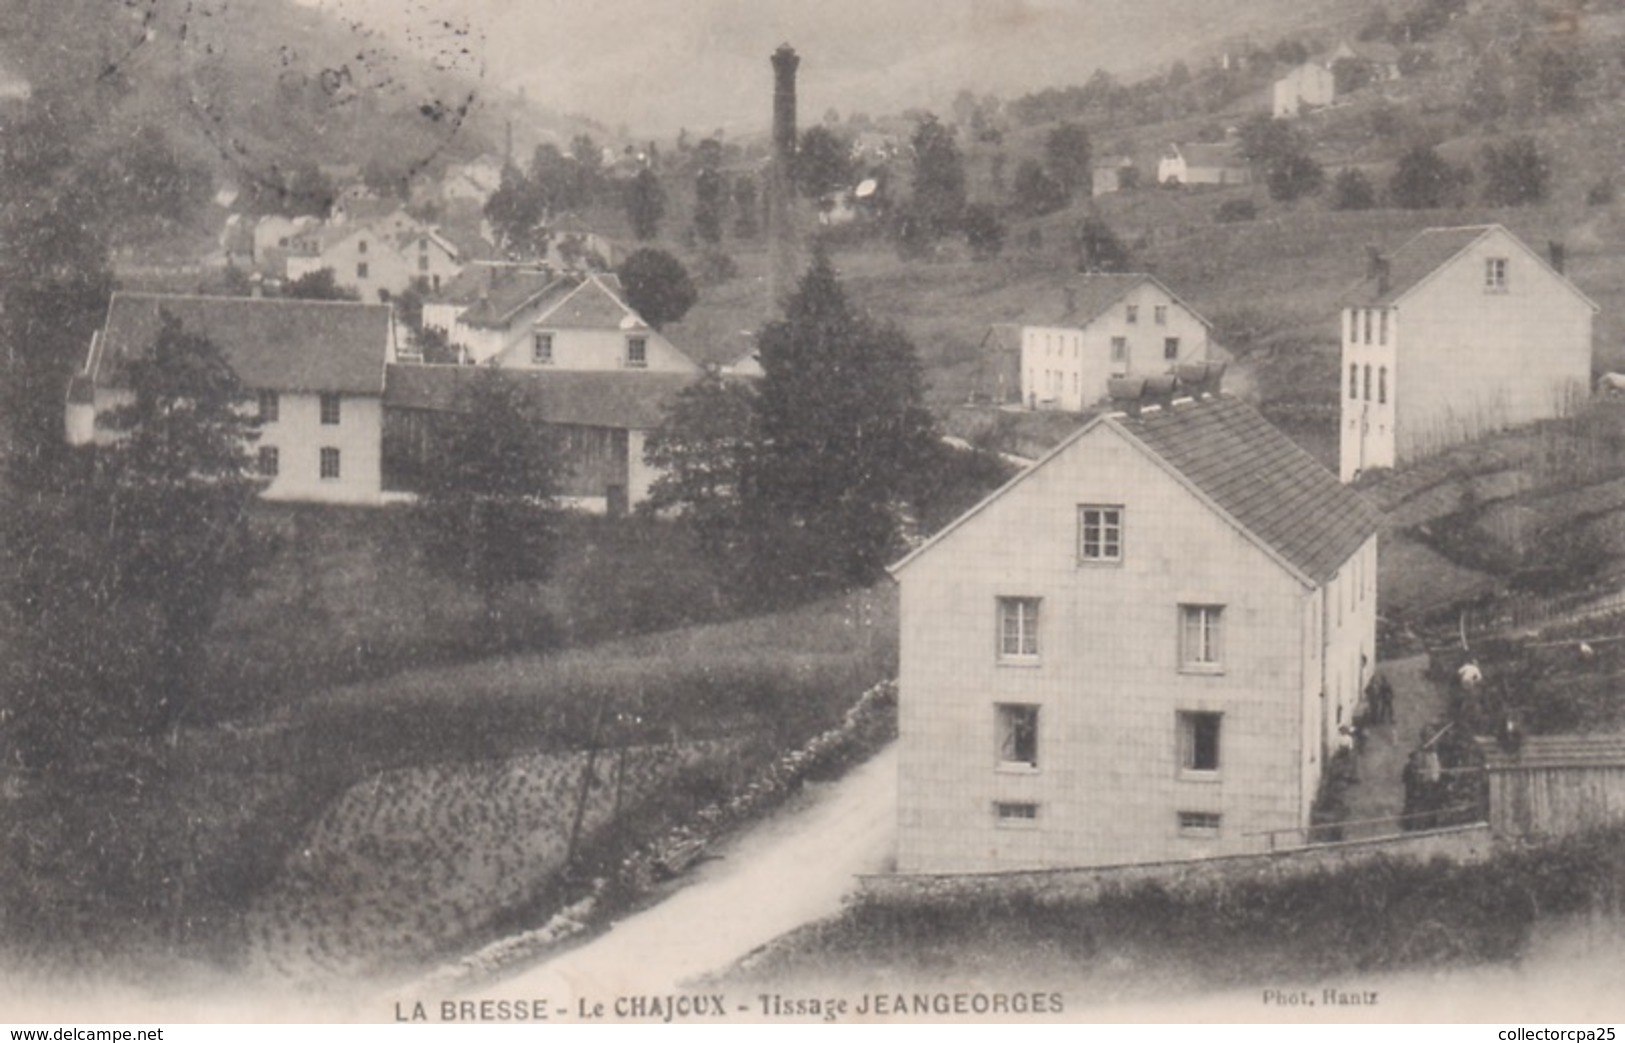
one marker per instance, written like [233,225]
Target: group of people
[1379,699]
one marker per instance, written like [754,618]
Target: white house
[1203,164]
[1113,326]
[537,318]
[1463,331]
[315,369]
[1138,650]
[1309,86]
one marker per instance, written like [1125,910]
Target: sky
[656,65]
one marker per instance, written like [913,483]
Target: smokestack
[1558,253]
[781,187]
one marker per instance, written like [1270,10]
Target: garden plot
[410,862]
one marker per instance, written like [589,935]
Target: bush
[1233,211]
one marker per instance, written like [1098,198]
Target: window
[1198,824]
[1159,314]
[1382,326]
[1017,734]
[361,270]
[1199,742]
[330,408]
[1367,313]
[1133,314]
[1170,349]
[330,463]
[1354,381]
[1382,385]
[268,461]
[423,263]
[1368,383]
[1199,637]
[361,246]
[637,352]
[436,280]
[1010,815]
[1495,275]
[270,407]
[1018,628]
[541,349]
[423,245]
[1120,349]
[1100,533]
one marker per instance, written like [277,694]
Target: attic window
[1159,314]
[637,352]
[1495,275]
[361,246]
[1133,314]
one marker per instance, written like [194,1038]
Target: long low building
[603,417]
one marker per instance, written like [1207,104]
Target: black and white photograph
[700,512]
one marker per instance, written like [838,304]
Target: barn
[1554,785]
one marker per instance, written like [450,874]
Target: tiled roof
[508,291]
[610,398]
[1415,261]
[1556,751]
[282,345]
[593,305]
[1271,486]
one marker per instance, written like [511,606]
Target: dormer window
[637,352]
[1495,275]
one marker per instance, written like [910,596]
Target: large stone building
[1140,649]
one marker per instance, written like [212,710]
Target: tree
[1515,174]
[843,427]
[1067,155]
[1351,190]
[939,179]
[174,489]
[745,204]
[710,204]
[319,285]
[518,214]
[1293,176]
[984,232]
[1422,180]
[1036,193]
[487,502]
[657,286]
[1098,248]
[823,165]
[701,451]
[645,204]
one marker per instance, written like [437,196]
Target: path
[1417,701]
[789,870]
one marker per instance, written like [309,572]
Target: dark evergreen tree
[1035,192]
[1515,174]
[487,504]
[823,165]
[1422,180]
[843,430]
[984,231]
[1067,157]
[657,286]
[645,204]
[1351,190]
[939,179]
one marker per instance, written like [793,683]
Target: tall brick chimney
[781,189]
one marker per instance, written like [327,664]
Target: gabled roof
[629,400]
[1094,295]
[502,293]
[274,345]
[1243,468]
[594,304]
[1429,251]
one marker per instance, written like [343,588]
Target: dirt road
[789,870]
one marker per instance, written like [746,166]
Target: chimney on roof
[1557,253]
[1376,268]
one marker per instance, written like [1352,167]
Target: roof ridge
[159,295]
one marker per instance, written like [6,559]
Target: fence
[1386,827]
[1526,612]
